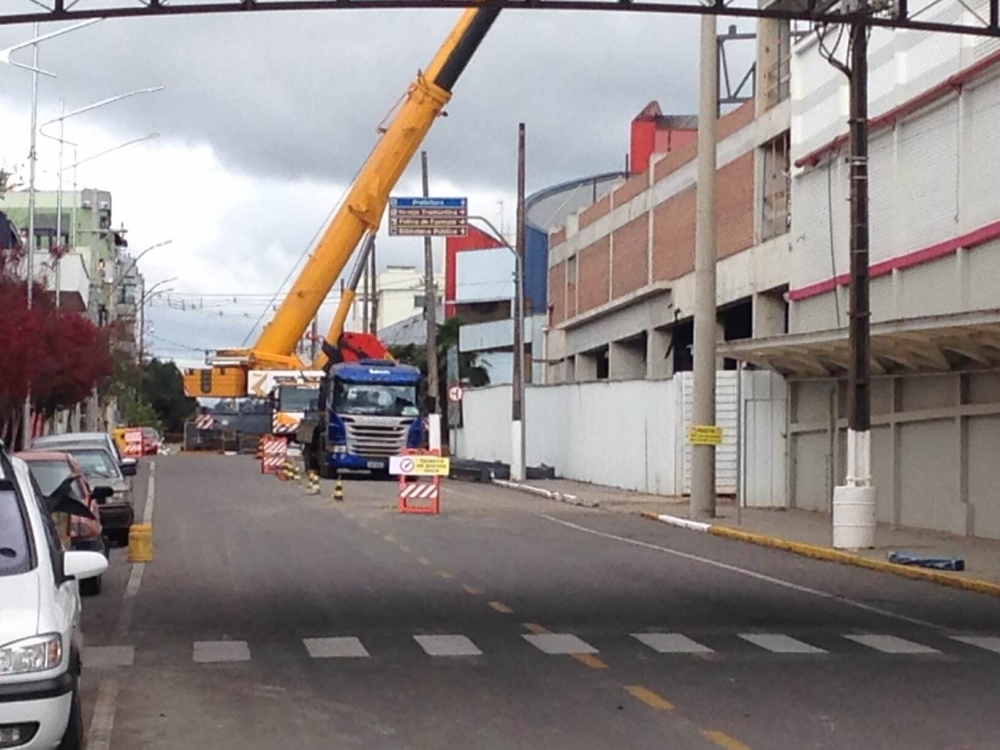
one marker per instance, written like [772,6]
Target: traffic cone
[338,490]
[313,483]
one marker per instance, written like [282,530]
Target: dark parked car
[50,469]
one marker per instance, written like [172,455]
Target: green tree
[162,386]
[471,371]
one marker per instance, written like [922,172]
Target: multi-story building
[80,262]
[400,294]
[621,270]
[934,101]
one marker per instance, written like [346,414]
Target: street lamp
[123,274]
[62,142]
[148,295]
[517,432]
[5,57]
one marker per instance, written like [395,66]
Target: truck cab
[369,411]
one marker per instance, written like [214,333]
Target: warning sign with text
[705,434]
[419,466]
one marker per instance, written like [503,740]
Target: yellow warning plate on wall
[705,434]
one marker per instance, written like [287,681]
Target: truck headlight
[36,654]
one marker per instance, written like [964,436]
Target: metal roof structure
[931,344]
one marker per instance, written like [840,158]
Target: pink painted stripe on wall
[970,240]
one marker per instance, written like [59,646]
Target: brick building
[621,270]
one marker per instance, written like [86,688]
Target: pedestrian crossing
[556,644]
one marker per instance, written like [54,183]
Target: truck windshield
[375,399]
[298,398]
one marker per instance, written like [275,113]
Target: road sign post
[428,217]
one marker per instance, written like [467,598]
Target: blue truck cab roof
[376,371]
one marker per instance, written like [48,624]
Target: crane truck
[366,407]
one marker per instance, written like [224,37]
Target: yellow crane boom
[360,213]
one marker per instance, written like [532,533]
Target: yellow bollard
[338,490]
[140,543]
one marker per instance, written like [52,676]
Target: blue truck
[367,411]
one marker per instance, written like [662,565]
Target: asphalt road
[275,619]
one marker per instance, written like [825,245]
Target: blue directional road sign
[429,217]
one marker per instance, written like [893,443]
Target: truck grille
[376,437]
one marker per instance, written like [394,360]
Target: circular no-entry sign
[406,465]
[455,393]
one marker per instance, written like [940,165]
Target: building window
[776,217]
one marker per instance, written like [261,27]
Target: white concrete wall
[935,440]
[632,434]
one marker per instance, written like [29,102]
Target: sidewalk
[802,531]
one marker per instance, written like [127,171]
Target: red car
[50,469]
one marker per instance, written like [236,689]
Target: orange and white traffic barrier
[420,473]
[133,443]
[274,450]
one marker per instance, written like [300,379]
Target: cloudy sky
[266,118]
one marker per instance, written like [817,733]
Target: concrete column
[626,361]
[586,368]
[768,315]
[569,369]
[658,364]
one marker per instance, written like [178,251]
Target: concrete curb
[560,496]
[829,554]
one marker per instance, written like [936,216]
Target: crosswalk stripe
[220,651]
[447,645]
[990,643]
[559,643]
[780,644]
[335,648]
[890,644]
[671,643]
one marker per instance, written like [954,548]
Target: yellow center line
[650,698]
[474,590]
[723,740]
[423,561]
[590,660]
[404,548]
[502,608]
[536,628]
[445,574]
[389,537]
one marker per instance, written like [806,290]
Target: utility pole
[517,469]
[32,158]
[705,324]
[373,321]
[858,492]
[430,306]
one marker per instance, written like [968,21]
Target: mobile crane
[359,215]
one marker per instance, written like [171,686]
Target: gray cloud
[291,95]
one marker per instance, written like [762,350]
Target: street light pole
[517,468]
[32,158]
[703,497]
[517,438]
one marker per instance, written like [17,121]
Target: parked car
[49,470]
[101,470]
[151,441]
[128,466]
[40,637]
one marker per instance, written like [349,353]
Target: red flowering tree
[60,355]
